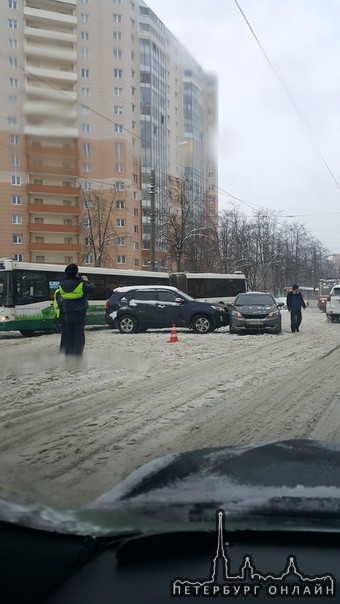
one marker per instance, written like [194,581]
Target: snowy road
[68,434]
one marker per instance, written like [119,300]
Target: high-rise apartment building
[97,95]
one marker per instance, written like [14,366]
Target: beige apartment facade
[92,100]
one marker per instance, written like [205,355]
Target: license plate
[255,322]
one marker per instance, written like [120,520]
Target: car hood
[285,484]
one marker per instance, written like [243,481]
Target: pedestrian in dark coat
[74,291]
[295,303]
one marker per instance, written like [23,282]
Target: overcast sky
[279,102]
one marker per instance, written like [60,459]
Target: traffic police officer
[74,290]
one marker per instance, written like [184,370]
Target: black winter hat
[295,286]
[71,270]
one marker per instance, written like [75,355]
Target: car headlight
[274,313]
[236,313]
[218,308]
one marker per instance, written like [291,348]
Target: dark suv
[256,311]
[132,309]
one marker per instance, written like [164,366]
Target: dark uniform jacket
[76,292]
[295,301]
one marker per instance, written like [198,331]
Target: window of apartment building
[133,90]
[135,229]
[85,53]
[67,203]
[16,200]
[87,185]
[118,110]
[84,35]
[67,221]
[16,219]
[135,211]
[18,257]
[121,259]
[85,72]
[88,241]
[68,240]
[84,1]
[117,35]
[15,160]
[13,62]
[12,4]
[12,120]
[89,259]
[120,222]
[86,128]
[211,187]
[117,18]
[12,23]
[87,167]
[86,148]
[87,222]
[16,180]
[38,221]
[117,1]
[211,213]
[117,73]
[39,239]
[135,178]
[119,151]
[13,82]
[88,204]
[120,240]
[13,42]
[17,238]
[135,245]
[84,18]
[120,204]
[118,91]
[120,167]
[85,92]
[42,259]
[136,262]
[14,139]
[120,185]
[211,174]
[119,128]
[117,53]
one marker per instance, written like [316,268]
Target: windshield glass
[257,299]
[147,139]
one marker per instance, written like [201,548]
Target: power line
[289,95]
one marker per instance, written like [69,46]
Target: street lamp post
[152,220]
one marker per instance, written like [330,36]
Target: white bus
[27,291]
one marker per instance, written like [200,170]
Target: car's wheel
[27,333]
[201,324]
[127,324]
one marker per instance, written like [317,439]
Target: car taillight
[107,304]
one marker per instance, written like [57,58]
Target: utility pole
[152,221]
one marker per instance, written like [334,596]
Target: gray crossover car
[256,311]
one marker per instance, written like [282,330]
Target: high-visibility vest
[77,293]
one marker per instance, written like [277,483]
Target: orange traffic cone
[173,336]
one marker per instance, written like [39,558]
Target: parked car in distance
[133,309]
[256,311]
[333,305]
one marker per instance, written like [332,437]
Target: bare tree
[97,226]
[182,233]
